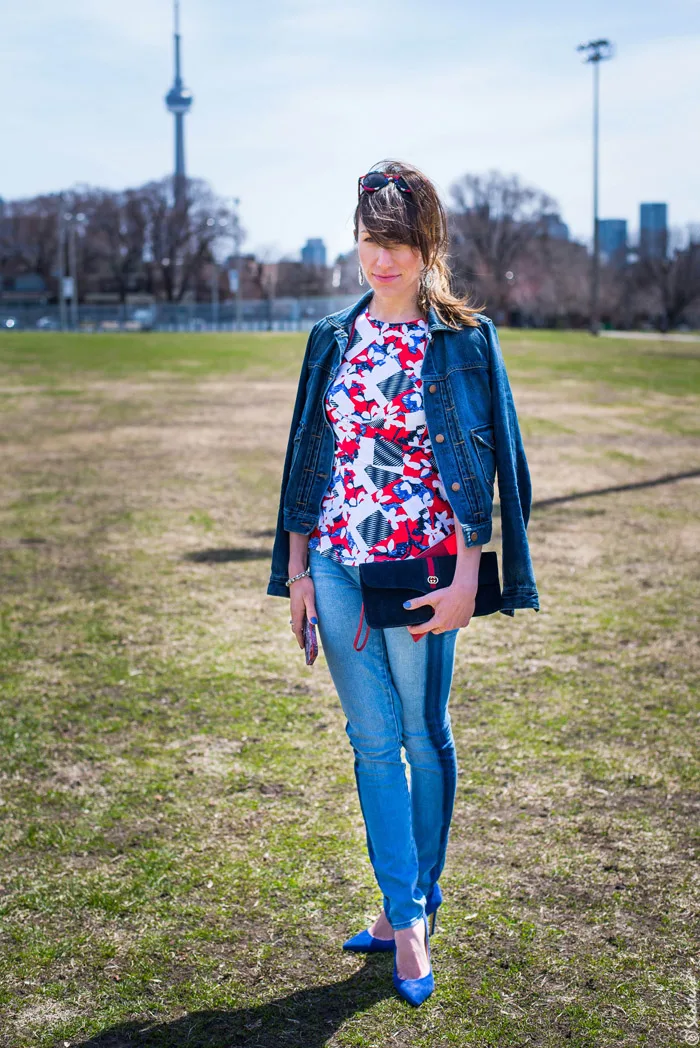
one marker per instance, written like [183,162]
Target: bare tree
[182,237]
[115,237]
[493,219]
[549,282]
[29,237]
[675,279]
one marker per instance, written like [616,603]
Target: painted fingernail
[314,620]
[407,604]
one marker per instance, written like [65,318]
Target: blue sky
[295,98]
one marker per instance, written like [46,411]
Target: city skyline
[615,237]
[270,100]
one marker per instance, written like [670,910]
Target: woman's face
[391,270]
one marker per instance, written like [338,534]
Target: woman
[402,418]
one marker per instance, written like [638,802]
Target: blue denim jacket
[474,432]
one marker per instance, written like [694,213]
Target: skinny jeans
[394,693]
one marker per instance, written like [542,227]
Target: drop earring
[360,275]
[427,279]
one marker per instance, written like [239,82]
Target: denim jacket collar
[344,318]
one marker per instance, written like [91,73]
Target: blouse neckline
[418,322]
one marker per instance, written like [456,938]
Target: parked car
[47,324]
[145,318]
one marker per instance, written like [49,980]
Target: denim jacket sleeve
[279,572]
[514,486]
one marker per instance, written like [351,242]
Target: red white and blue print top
[385,499]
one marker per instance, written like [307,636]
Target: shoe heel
[433,903]
[415,991]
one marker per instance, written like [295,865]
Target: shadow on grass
[559,500]
[306,1018]
[667,478]
[243,553]
[222,556]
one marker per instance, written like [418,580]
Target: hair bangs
[390,217]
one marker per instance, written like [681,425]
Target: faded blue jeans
[393,693]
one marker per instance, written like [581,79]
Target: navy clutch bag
[387,584]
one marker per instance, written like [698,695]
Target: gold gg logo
[432,579]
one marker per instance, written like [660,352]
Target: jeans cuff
[400,927]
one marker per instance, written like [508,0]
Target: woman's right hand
[302,598]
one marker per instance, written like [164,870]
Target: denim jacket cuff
[476,534]
[276,587]
[520,599]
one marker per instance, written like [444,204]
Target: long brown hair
[417,218]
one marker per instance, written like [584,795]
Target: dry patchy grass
[182,849]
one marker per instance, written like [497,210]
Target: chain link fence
[279,314]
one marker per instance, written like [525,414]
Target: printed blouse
[385,499]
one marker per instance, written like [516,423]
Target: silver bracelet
[299,576]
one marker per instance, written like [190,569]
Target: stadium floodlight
[596,51]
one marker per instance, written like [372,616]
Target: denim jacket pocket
[485,447]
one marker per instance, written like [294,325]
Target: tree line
[126,242]
[508,249]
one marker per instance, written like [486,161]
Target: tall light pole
[70,286]
[239,269]
[73,271]
[61,267]
[596,52]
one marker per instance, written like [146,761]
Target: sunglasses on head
[375,180]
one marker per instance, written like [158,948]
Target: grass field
[182,851]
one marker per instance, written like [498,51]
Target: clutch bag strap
[359,631]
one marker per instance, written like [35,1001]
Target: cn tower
[178,100]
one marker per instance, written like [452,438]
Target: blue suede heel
[364,942]
[415,991]
[431,905]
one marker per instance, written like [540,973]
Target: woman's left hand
[454,607]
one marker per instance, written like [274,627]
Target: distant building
[555,228]
[313,252]
[254,276]
[24,289]
[653,230]
[612,237]
[345,273]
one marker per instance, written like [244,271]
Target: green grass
[181,845]
[653,366]
[54,357]
[543,356]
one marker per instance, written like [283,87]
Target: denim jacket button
[439,437]
[474,536]
[455,486]
[432,388]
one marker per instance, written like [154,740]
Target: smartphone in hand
[310,641]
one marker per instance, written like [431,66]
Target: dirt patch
[208,756]
[140,632]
